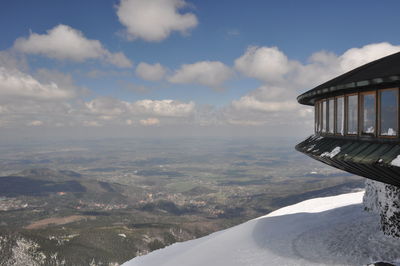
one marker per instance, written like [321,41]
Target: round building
[357,130]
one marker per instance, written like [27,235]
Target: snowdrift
[323,231]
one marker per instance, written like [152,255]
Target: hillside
[322,231]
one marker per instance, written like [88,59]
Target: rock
[384,200]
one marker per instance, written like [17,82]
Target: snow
[331,154]
[390,132]
[311,147]
[370,130]
[322,231]
[396,161]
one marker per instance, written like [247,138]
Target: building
[357,130]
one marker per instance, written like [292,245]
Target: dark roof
[384,70]
[370,159]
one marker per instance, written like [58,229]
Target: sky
[178,67]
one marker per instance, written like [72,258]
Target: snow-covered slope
[322,231]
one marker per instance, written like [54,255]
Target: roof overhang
[384,72]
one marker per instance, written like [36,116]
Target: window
[388,112]
[331,115]
[368,113]
[316,113]
[339,115]
[352,114]
[320,116]
[324,112]
[373,113]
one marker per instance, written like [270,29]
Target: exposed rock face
[384,200]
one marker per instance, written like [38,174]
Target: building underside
[371,159]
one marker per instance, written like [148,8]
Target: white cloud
[164,107]
[10,60]
[64,81]
[356,57]
[150,72]
[16,84]
[91,124]
[263,63]
[245,122]
[106,111]
[268,105]
[273,67]
[35,123]
[129,122]
[63,42]
[129,86]
[150,121]
[118,59]
[107,106]
[208,73]
[252,103]
[154,20]
[275,101]
[51,97]
[3,109]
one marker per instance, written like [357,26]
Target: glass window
[316,112]
[331,115]
[352,114]
[368,115]
[388,112]
[339,115]
[320,116]
[324,112]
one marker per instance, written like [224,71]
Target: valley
[107,201]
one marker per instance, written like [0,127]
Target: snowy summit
[323,231]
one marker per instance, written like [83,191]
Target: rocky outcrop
[384,200]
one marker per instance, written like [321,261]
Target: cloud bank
[284,79]
[47,98]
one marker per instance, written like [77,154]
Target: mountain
[49,174]
[322,231]
[44,182]
[40,181]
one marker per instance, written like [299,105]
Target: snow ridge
[322,231]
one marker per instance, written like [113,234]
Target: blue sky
[277,42]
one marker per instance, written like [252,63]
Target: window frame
[379,121]
[336,116]
[316,116]
[328,116]
[346,119]
[361,113]
[324,114]
[320,116]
